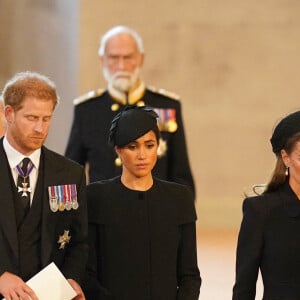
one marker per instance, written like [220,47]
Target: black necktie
[23,182]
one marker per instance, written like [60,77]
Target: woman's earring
[118,162]
[286,171]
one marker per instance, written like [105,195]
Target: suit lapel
[7,211]
[52,175]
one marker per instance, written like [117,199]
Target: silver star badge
[64,239]
[24,189]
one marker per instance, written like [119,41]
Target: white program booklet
[50,284]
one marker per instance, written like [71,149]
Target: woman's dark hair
[279,177]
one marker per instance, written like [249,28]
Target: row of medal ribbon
[63,197]
[166,117]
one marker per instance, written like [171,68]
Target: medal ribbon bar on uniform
[75,204]
[63,197]
[167,119]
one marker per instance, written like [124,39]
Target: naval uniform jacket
[142,244]
[88,141]
[269,240]
[56,170]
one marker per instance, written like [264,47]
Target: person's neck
[137,183]
[16,146]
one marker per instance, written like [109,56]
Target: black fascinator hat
[132,123]
[285,129]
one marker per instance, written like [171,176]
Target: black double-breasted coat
[269,241]
[142,244]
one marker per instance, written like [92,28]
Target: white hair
[120,29]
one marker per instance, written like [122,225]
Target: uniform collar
[133,97]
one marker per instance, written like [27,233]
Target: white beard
[122,81]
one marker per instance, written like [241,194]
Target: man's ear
[9,113]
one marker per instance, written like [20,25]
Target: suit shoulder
[176,189]
[263,198]
[180,198]
[262,204]
[60,159]
[88,96]
[101,186]
[164,92]
[99,196]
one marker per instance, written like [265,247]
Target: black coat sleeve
[188,275]
[189,280]
[249,249]
[75,149]
[92,287]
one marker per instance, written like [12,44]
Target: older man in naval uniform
[122,55]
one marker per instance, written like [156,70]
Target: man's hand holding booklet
[50,284]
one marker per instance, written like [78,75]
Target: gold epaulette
[164,92]
[89,95]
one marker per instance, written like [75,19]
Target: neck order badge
[24,169]
[23,178]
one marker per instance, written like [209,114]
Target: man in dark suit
[43,215]
[122,54]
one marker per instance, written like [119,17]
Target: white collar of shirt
[14,157]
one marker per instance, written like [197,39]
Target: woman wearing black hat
[142,230]
[269,238]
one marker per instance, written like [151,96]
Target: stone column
[42,36]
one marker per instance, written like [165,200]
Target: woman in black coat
[269,238]
[142,230]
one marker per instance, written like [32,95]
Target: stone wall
[42,36]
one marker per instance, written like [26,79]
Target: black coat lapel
[52,173]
